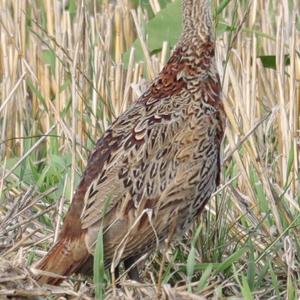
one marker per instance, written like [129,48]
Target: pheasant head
[197,20]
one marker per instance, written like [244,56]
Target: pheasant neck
[197,20]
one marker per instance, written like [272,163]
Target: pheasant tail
[64,258]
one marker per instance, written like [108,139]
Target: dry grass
[63,80]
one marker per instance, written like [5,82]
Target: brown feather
[64,258]
[158,163]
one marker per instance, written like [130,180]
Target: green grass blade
[98,267]
[246,292]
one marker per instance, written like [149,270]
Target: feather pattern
[158,163]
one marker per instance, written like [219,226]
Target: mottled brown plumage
[157,164]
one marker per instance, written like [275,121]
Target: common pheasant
[156,166]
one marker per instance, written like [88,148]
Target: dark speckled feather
[157,163]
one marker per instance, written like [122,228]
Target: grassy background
[67,69]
